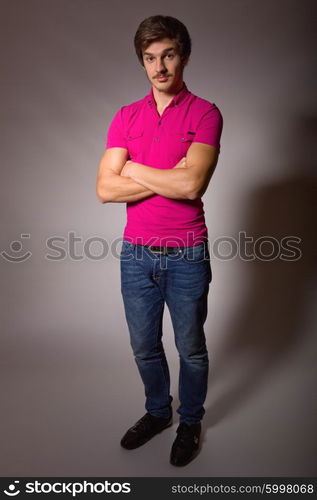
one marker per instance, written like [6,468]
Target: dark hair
[156,28]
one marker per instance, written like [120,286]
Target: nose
[160,67]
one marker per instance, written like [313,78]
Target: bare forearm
[118,189]
[172,183]
[187,180]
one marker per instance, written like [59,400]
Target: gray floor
[71,399]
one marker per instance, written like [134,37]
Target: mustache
[162,76]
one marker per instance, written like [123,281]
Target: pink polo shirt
[160,142]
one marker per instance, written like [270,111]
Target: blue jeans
[181,280]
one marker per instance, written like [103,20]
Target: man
[160,155]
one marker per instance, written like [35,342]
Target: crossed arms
[120,180]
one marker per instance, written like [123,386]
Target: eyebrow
[163,52]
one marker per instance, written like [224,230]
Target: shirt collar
[177,99]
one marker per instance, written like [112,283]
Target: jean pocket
[196,254]
[127,250]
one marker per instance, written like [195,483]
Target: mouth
[162,78]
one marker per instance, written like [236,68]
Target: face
[163,65]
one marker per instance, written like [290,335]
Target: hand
[125,172]
[181,164]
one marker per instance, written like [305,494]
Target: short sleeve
[210,127]
[116,136]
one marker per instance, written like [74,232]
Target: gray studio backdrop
[70,386]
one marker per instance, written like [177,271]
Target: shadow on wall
[270,323]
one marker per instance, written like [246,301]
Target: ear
[185,61]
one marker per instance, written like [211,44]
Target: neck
[164,98]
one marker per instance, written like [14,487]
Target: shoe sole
[145,440]
[194,455]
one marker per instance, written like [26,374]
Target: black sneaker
[186,444]
[143,430]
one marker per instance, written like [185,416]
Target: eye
[169,56]
[149,58]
